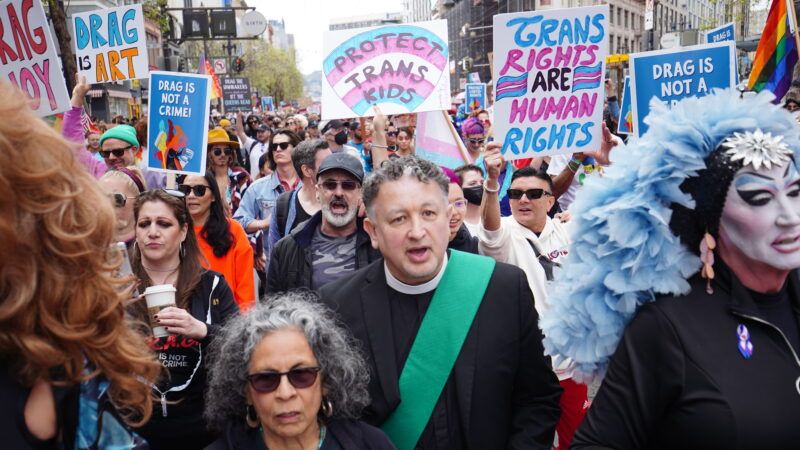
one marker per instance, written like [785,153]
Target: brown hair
[191,269]
[60,304]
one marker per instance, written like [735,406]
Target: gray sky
[308,19]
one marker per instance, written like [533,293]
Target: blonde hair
[124,177]
[60,304]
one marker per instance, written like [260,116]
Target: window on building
[626,19]
[611,14]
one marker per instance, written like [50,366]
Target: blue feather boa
[623,253]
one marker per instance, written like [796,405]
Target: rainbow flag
[776,54]
[205,68]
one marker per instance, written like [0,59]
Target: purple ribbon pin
[745,346]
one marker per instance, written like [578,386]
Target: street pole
[59,19]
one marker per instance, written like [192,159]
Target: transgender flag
[437,140]
[587,77]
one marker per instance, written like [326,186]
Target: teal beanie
[122,132]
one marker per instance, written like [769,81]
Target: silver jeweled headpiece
[757,148]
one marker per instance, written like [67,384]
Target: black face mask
[473,195]
[340,138]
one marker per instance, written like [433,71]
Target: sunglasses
[532,194]
[477,141]
[282,145]
[119,199]
[391,133]
[347,185]
[266,382]
[118,152]
[219,151]
[198,189]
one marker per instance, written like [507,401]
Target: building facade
[366,20]
[417,10]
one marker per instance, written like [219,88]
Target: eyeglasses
[459,204]
[532,194]
[119,199]
[477,141]
[219,151]
[118,152]
[391,133]
[266,382]
[280,145]
[347,185]
[198,189]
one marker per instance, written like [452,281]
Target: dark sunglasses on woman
[300,378]
[218,151]
[477,141]
[119,199]
[198,189]
[532,194]
[281,145]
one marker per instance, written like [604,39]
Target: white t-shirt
[255,153]
[557,164]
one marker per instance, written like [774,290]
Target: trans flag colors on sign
[549,89]
[402,68]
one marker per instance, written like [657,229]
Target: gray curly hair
[394,169]
[343,369]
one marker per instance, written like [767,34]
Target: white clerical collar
[409,289]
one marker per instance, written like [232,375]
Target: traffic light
[238,65]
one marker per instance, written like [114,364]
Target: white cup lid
[159,288]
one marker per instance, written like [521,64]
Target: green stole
[439,340]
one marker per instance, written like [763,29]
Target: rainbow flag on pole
[776,54]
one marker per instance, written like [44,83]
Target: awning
[119,94]
[96,93]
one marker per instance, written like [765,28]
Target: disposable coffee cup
[159,297]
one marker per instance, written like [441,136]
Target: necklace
[166,277]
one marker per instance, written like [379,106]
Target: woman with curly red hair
[67,352]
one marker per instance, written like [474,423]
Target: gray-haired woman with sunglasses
[287,376]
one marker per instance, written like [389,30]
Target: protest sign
[671,75]
[549,89]
[110,44]
[236,94]
[267,104]
[28,56]
[726,32]
[178,122]
[402,68]
[625,119]
[475,96]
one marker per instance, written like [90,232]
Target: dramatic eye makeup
[757,189]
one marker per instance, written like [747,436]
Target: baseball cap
[262,127]
[342,161]
[332,124]
[313,124]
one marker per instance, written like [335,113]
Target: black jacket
[290,266]
[507,392]
[464,241]
[678,380]
[350,434]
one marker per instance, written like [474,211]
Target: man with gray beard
[332,243]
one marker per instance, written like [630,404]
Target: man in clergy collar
[451,339]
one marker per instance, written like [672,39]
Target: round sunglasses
[119,199]
[219,151]
[300,378]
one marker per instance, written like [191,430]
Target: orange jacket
[236,265]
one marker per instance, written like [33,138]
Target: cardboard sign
[671,75]
[549,91]
[475,96]
[402,68]
[110,44]
[178,122]
[236,93]
[726,32]
[625,119]
[28,56]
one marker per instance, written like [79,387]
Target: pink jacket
[72,129]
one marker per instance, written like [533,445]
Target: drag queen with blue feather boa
[681,290]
